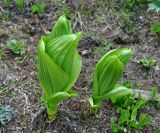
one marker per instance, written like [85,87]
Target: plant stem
[51,111]
[94,109]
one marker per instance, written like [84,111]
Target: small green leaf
[16,47]
[62,27]
[143,121]
[20,4]
[115,128]
[124,116]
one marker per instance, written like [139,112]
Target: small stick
[145,95]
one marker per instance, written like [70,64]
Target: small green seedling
[154,6]
[38,8]
[2,53]
[7,2]
[59,65]
[16,47]
[20,4]
[131,3]
[4,16]
[107,72]
[6,114]
[147,62]
[156,28]
[129,117]
[128,3]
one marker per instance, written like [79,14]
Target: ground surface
[104,28]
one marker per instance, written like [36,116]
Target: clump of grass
[38,8]
[20,4]
[16,47]
[147,62]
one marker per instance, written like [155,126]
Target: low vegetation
[147,62]
[16,47]
[129,116]
[38,8]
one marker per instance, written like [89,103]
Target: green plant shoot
[59,65]
[156,28]
[107,72]
[20,4]
[16,47]
[7,2]
[38,8]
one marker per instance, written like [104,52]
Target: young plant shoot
[20,4]
[107,72]
[59,65]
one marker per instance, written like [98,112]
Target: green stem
[96,106]
[94,110]
[51,111]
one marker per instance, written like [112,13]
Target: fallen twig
[145,95]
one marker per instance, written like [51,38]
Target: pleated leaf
[62,27]
[107,69]
[107,73]
[63,50]
[52,77]
[122,54]
[115,93]
[59,64]
[59,96]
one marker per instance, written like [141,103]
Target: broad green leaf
[107,73]
[62,27]
[59,96]
[122,54]
[63,50]
[59,64]
[115,93]
[116,58]
[52,77]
